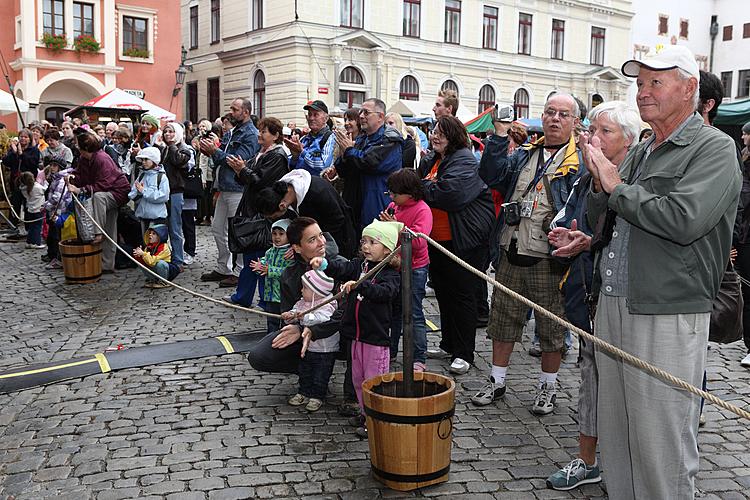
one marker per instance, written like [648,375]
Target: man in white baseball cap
[659,269]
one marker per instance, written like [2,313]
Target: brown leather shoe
[214,276]
[229,282]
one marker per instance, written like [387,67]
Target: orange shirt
[441,228]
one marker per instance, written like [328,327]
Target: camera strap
[541,168]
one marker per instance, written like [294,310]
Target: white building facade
[344,51]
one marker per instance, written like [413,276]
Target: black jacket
[266,170]
[27,161]
[324,204]
[409,152]
[461,192]
[368,309]
[174,159]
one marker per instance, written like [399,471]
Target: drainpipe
[714,30]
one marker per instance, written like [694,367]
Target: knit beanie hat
[152,153]
[318,282]
[386,233]
[58,160]
[150,119]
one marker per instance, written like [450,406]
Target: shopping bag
[84,223]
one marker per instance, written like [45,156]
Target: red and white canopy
[118,98]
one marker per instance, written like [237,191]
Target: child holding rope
[369,307]
[271,266]
[157,256]
[58,200]
[316,365]
[33,193]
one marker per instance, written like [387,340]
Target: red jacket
[100,174]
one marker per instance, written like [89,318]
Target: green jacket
[682,210]
[274,259]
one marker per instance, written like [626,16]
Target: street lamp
[180,72]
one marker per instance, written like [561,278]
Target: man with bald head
[668,212]
[535,181]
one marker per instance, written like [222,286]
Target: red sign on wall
[322,90]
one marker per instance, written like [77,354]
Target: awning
[119,99]
[481,123]
[7,104]
[733,113]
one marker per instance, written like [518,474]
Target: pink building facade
[138,51]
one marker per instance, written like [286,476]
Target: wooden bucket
[82,262]
[410,438]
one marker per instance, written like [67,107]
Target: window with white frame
[259,93]
[53,13]
[256,15]
[489,28]
[452,21]
[351,88]
[486,98]
[558,38]
[597,46]
[83,19]
[524,34]
[521,103]
[450,85]
[215,21]
[408,90]
[194,27]
[136,33]
[352,13]
[412,10]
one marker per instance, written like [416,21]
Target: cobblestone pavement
[213,428]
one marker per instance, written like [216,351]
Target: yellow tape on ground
[47,369]
[227,345]
[432,326]
[103,363]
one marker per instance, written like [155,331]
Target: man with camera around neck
[535,181]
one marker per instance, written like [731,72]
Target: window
[663,27]
[194,27]
[597,46]
[449,85]
[214,110]
[259,93]
[192,101]
[558,38]
[486,98]
[489,23]
[134,33]
[412,10]
[521,103]
[746,30]
[727,34]
[215,21]
[256,22]
[684,29]
[54,115]
[639,51]
[524,34]
[83,19]
[726,82]
[408,89]
[351,88]
[351,13]
[743,83]
[452,21]
[596,100]
[54,18]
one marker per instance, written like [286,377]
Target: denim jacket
[242,142]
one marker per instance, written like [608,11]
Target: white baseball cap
[670,57]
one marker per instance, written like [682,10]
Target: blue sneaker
[575,474]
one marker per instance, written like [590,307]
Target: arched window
[596,100]
[408,90]
[486,98]
[449,85]
[351,88]
[521,103]
[259,94]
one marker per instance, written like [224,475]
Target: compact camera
[503,114]
[512,213]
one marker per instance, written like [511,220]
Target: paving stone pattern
[215,429]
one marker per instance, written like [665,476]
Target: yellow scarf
[570,162]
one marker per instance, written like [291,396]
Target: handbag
[726,315]
[193,183]
[84,224]
[249,233]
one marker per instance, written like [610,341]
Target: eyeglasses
[564,115]
[366,112]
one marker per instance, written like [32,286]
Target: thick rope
[367,276]
[628,358]
[10,204]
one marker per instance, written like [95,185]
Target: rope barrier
[10,204]
[628,358]
[367,276]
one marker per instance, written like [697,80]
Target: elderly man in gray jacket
[673,203]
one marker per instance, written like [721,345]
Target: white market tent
[423,109]
[119,99]
[7,105]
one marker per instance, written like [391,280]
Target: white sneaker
[459,366]
[189,259]
[544,403]
[746,361]
[437,354]
[33,246]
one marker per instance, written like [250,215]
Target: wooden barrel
[82,262]
[410,438]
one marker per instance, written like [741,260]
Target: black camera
[512,213]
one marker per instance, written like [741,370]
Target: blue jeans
[418,282]
[177,240]
[34,229]
[161,268]
[315,371]
[249,279]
